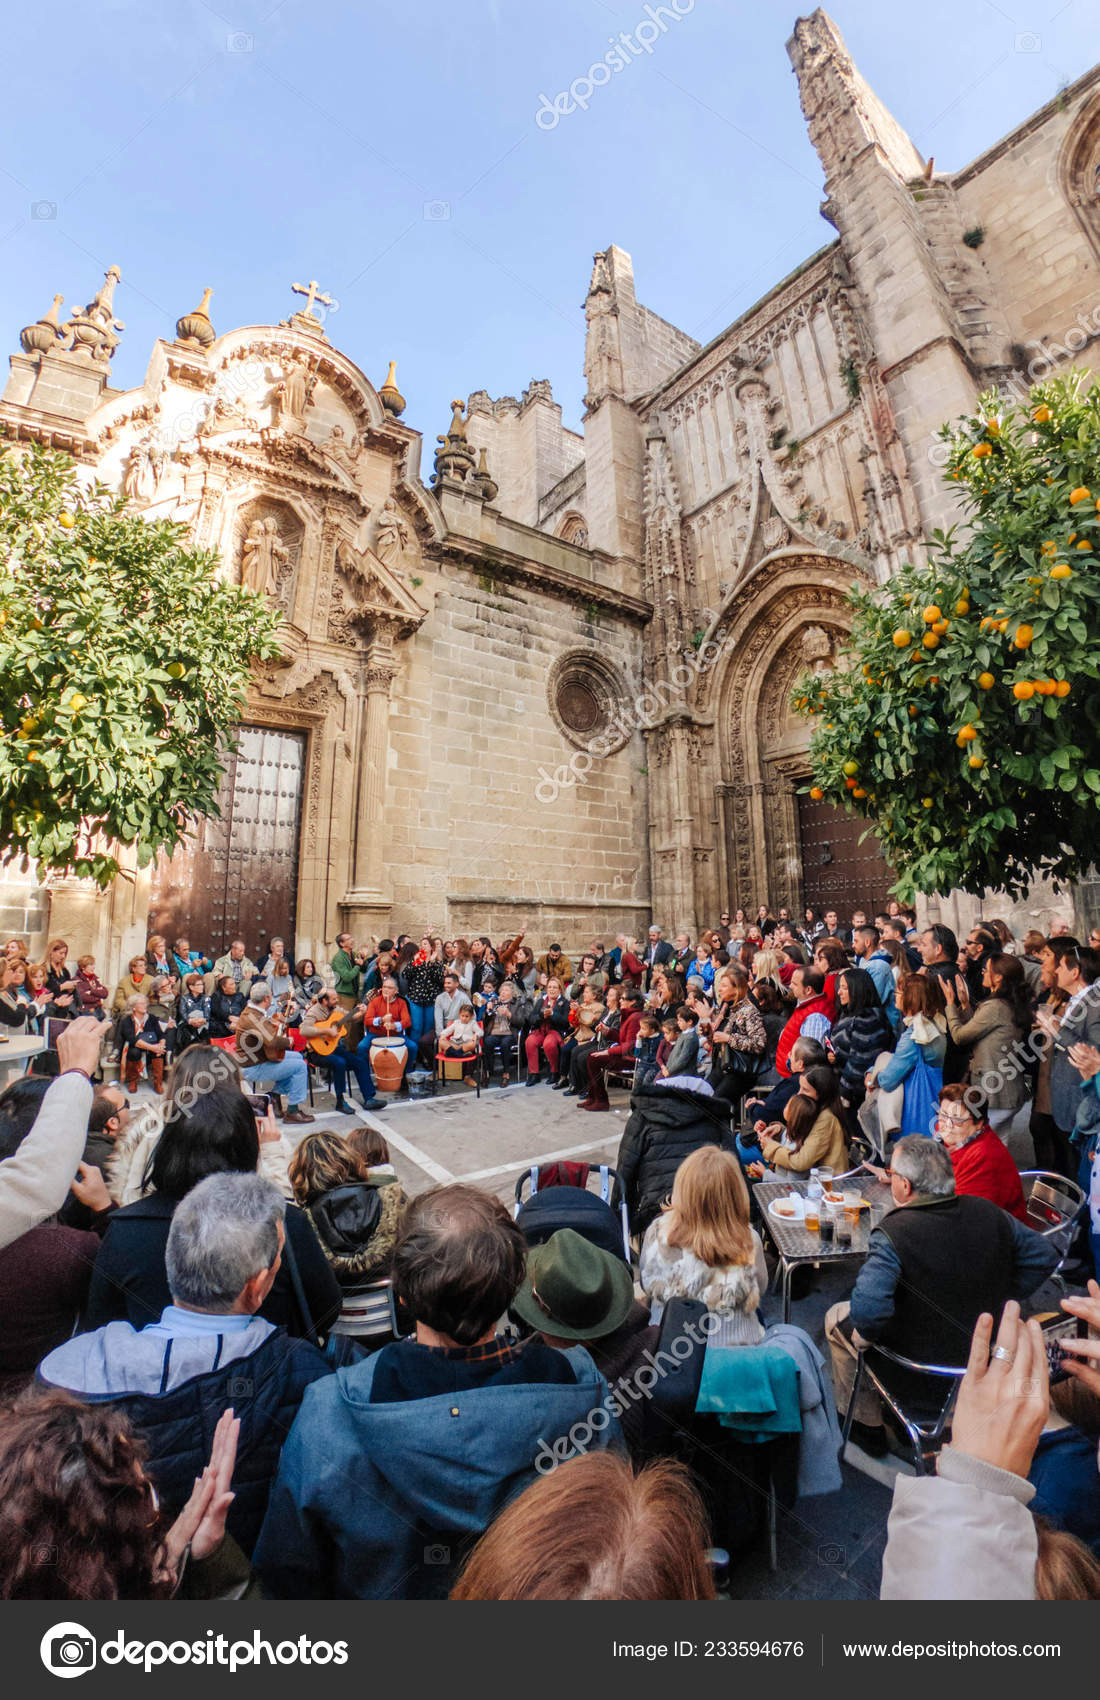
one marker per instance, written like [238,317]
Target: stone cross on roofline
[313,292]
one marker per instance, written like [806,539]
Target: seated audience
[817,1143]
[632,1537]
[355,1206]
[666,1124]
[935,1263]
[92,992]
[701,1246]
[210,1132]
[548,1031]
[143,1045]
[227,1001]
[265,1056]
[983,1168]
[236,966]
[324,1017]
[137,982]
[394,1466]
[223,1253]
[193,1023]
[611,1059]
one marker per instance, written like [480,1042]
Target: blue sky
[390,150]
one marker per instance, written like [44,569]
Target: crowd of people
[172,1354]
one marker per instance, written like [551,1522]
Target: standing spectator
[812,1017]
[860,1033]
[1073,971]
[991,1034]
[657,954]
[34,1183]
[738,1036]
[61,981]
[666,1124]
[347,970]
[903,1088]
[939,949]
[556,962]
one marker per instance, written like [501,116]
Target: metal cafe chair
[1054,1206]
[926,1432]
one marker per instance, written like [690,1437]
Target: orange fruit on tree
[913,711]
[931,640]
[66,519]
[962,608]
[941,627]
[1046,687]
[967,734]
[1024,635]
[1081,494]
[926,802]
[816,793]
[902,638]
[850,783]
[1041,415]
[986,681]
[858,791]
[977,761]
[1062,688]
[1061,571]
[1084,544]
[931,615]
[981,449]
[1023,690]
[851,767]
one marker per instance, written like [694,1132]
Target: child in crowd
[459,1039]
[646,1047]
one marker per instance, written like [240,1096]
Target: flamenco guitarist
[326,1017]
[264,1052]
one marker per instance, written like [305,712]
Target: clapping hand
[1088,1371]
[1004,1398]
[201,1523]
[1085,1059]
[90,1188]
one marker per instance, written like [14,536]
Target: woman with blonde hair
[702,1247]
[765,966]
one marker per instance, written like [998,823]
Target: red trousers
[548,1040]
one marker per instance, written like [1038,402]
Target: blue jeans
[358,1061]
[423,1017]
[288,1076]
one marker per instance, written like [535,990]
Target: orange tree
[123,668]
[964,721]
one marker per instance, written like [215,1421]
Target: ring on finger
[1003,1354]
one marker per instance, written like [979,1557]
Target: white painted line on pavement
[406,1147]
[537,1162]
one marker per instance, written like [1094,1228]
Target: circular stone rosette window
[588,699]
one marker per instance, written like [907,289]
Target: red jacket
[628,1032]
[631,969]
[821,1005]
[379,1008]
[984,1169]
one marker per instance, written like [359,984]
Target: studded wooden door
[237,877]
[838,872]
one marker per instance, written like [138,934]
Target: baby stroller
[559,1198]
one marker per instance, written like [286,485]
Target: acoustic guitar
[333,1029]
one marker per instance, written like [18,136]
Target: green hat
[574,1290]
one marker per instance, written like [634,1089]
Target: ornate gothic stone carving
[588,699]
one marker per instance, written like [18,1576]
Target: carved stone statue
[263,554]
[344,452]
[391,535]
[292,396]
[817,650]
[142,472]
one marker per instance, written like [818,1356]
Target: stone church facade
[549,687]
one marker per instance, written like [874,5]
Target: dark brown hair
[83,1523]
[458,1261]
[834,953]
[1065,1568]
[368,1144]
[631,1537]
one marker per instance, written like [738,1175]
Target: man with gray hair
[208,1350]
[265,1056]
[936,1263]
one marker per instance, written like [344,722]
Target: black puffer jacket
[357,1226]
[666,1125]
[856,1041]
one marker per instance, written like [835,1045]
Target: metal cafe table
[796,1244]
